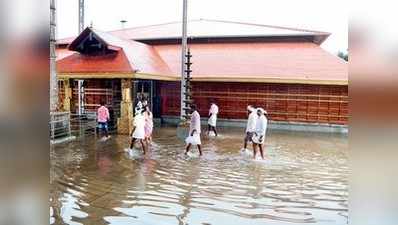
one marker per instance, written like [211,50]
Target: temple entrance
[89,93]
[81,99]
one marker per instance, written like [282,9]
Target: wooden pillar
[125,122]
[67,95]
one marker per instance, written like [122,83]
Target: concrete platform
[62,140]
[274,125]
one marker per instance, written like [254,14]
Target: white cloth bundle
[212,120]
[261,128]
[139,124]
[195,125]
[256,139]
[194,139]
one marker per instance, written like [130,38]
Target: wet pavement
[304,179]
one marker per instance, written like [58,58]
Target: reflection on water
[303,180]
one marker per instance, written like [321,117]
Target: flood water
[303,180]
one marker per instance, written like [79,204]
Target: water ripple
[298,183]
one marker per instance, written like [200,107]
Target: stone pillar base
[125,122]
[68,95]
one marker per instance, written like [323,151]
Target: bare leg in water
[254,150]
[215,130]
[132,143]
[148,141]
[143,146]
[200,150]
[187,149]
[106,131]
[261,150]
[245,141]
[189,146]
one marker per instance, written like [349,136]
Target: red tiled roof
[144,58]
[63,52]
[302,62]
[79,63]
[279,62]
[128,57]
[210,28]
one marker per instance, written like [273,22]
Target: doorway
[143,90]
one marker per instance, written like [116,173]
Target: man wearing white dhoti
[259,134]
[212,122]
[138,132]
[194,131]
[250,127]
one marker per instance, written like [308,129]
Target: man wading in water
[250,127]
[194,131]
[138,132]
[259,134]
[103,118]
[212,122]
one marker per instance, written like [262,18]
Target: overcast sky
[324,15]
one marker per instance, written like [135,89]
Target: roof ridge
[226,21]
[145,26]
[132,29]
[267,25]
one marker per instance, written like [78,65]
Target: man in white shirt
[212,122]
[251,126]
[259,134]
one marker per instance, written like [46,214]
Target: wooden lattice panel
[284,102]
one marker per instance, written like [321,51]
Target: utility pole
[122,22]
[183,57]
[81,15]
[53,71]
[80,82]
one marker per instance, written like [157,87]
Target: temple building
[283,70]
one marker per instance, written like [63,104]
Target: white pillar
[53,71]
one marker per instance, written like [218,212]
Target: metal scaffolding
[188,101]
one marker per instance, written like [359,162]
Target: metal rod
[183,52]
[79,97]
[81,16]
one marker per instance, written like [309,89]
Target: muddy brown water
[303,180]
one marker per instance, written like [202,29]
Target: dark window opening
[91,45]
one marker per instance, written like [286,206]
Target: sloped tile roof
[259,62]
[277,61]
[128,57]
